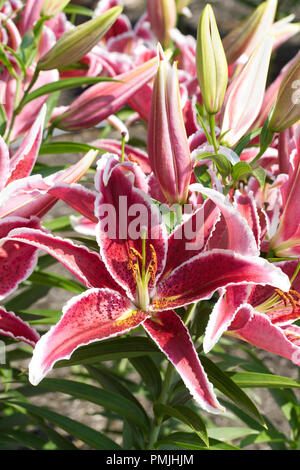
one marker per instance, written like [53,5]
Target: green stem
[212,125]
[16,104]
[123,148]
[33,80]
[178,214]
[189,313]
[156,425]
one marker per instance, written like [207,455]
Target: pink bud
[168,148]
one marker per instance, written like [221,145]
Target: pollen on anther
[153,264]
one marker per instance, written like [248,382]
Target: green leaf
[26,298]
[260,175]
[6,62]
[78,10]
[110,350]
[266,135]
[58,224]
[241,171]
[109,400]
[189,441]
[93,438]
[185,415]
[245,141]
[3,119]
[230,433]
[43,278]
[149,373]
[64,84]
[227,386]
[257,379]
[221,161]
[202,176]
[111,382]
[66,147]
[27,49]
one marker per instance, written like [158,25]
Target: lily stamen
[289,298]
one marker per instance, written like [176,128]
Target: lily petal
[120,232]
[201,276]
[4,163]
[235,233]
[17,260]
[92,316]
[14,327]
[173,338]
[257,329]
[84,264]
[24,159]
[182,245]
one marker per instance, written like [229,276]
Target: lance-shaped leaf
[104,99]
[168,147]
[245,95]
[74,44]
[14,327]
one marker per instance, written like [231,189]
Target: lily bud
[74,44]
[99,101]
[162,16]
[248,34]
[283,30]
[245,94]
[52,7]
[181,5]
[168,148]
[211,63]
[287,107]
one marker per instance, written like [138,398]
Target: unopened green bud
[211,63]
[287,107]
[52,7]
[75,44]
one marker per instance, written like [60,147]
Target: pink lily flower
[22,162]
[17,261]
[286,240]
[262,316]
[24,195]
[138,281]
[101,100]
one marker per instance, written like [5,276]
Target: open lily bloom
[286,240]
[262,316]
[139,280]
[17,261]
